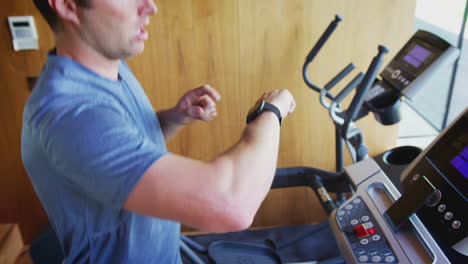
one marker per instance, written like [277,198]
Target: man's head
[114,29]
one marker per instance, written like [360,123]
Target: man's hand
[197,104]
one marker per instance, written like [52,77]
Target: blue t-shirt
[86,142]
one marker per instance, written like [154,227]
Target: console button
[364,241]
[371,231]
[434,199]
[354,222]
[395,74]
[415,177]
[363,258]
[376,237]
[364,230]
[360,231]
[357,201]
[349,207]
[456,224]
[376,258]
[389,259]
[441,208]
[341,213]
[365,218]
[448,216]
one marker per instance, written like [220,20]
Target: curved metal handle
[334,106]
[315,50]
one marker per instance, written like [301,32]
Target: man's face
[115,28]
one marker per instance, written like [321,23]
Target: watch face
[261,106]
[258,107]
[255,110]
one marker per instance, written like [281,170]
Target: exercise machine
[415,214]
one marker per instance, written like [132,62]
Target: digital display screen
[460,162]
[21,24]
[417,56]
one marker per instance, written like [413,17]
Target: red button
[371,231]
[360,231]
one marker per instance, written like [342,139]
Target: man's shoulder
[59,91]
[63,79]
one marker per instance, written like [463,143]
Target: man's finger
[196,112]
[207,90]
[207,102]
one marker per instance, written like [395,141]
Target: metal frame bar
[455,69]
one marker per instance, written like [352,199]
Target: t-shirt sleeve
[101,152]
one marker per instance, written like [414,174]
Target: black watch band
[263,106]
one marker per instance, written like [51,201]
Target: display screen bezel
[447,148]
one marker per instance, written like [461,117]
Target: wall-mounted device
[23,32]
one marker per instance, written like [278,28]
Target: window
[435,106]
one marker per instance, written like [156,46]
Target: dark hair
[51,16]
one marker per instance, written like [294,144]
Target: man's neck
[86,56]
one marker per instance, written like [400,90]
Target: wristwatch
[261,106]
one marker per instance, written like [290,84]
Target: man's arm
[221,195]
[197,104]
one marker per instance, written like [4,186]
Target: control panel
[425,221]
[445,165]
[407,73]
[442,213]
[423,55]
[365,238]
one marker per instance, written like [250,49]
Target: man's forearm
[250,165]
[218,196]
[168,126]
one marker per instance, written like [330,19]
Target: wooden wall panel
[242,48]
[18,202]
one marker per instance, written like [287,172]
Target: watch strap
[263,106]
[274,109]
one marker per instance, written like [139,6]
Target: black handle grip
[343,73]
[363,88]
[300,176]
[349,87]
[315,50]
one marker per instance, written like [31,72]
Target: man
[95,150]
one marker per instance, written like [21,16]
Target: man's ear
[66,10]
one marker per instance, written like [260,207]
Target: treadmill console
[424,223]
[445,164]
